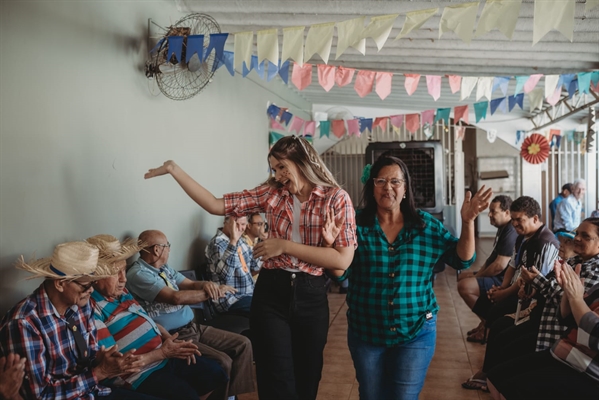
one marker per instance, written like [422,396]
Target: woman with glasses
[392,306]
[289,316]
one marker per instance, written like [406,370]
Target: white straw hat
[112,250]
[71,260]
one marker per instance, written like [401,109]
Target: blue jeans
[393,373]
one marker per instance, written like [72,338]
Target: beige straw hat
[70,261]
[112,250]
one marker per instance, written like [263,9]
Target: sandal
[478,337]
[478,328]
[475,384]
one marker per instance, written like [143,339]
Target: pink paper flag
[455,83]
[381,122]
[344,76]
[596,87]
[383,84]
[353,127]
[396,120]
[428,116]
[301,75]
[461,112]
[554,98]
[326,76]
[459,132]
[274,124]
[364,82]
[412,122]
[309,128]
[338,127]
[532,82]
[296,125]
[433,83]
[411,83]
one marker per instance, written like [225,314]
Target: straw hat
[111,250]
[70,261]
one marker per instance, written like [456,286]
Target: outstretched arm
[197,192]
[473,205]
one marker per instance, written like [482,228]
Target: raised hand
[164,169]
[331,228]
[233,229]
[474,205]
[569,280]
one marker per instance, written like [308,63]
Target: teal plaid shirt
[390,285]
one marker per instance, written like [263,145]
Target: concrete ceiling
[422,52]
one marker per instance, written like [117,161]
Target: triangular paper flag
[433,84]
[572,88]
[309,128]
[349,33]
[325,128]
[498,103]
[484,87]
[480,110]
[284,71]
[567,79]
[455,83]
[520,81]
[364,82]
[550,84]
[459,19]
[428,116]
[379,29]
[301,75]
[502,83]
[415,20]
[273,137]
[326,76]
[381,122]
[396,121]
[460,113]
[243,49]
[365,123]
[499,14]
[442,114]
[468,84]
[554,98]
[273,111]
[532,82]
[338,128]
[516,99]
[535,99]
[556,14]
[353,127]
[558,141]
[296,125]
[319,41]
[195,45]
[584,82]
[268,45]
[411,83]
[383,84]
[175,46]
[412,122]
[228,60]
[344,76]
[274,124]
[271,70]
[293,44]
[285,117]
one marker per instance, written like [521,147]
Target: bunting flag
[442,115]
[554,132]
[293,44]
[284,71]
[326,76]
[411,83]
[455,83]
[550,15]
[285,117]
[268,45]
[520,81]
[273,137]
[550,84]
[228,59]
[459,132]
[383,84]
[433,84]
[415,19]
[484,87]
[271,70]
[381,122]
[459,19]
[519,136]
[567,79]
[301,76]
[157,46]
[365,123]
[584,82]
[175,46]
[499,14]
[353,127]
[501,82]
[535,99]
[309,128]
[468,84]
[364,82]
[379,29]
[428,116]
[297,125]
[554,98]
[319,41]
[338,128]
[344,76]
[273,111]
[572,88]
[195,45]
[243,49]
[349,33]
[325,128]
[412,122]
[492,135]
[531,82]
[217,43]
[558,141]
[516,99]
[274,124]
[460,113]
[498,103]
[480,110]
[396,121]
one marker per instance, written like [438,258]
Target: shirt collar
[46,306]
[317,190]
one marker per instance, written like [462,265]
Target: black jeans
[124,394]
[289,324]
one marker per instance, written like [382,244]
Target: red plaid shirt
[277,204]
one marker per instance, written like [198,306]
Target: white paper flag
[268,45]
[468,83]
[535,99]
[554,14]
[485,87]
[459,19]
[350,33]
[243,49]
[415,20]
[379,28]
[293,44]
[319,41]
[550,85]
[499,14]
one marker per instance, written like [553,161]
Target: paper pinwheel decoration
[535,149]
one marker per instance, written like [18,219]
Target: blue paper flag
[286,117]
[502,83]
[228,57]
[175,45]
[498,103]
[516,99]
[566,79]
[195,45]
[273,111]
[584,82]
[572,88]
[245,70]
[442,114]
[519,135]
[217,43]
[480,110]
[365,123]
[325,128]
[259,67]
[284,71]
[558,141]
[155,48]
[520,81]
[271,70]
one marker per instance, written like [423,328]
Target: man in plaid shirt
[231,262]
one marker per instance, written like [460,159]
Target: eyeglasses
[395,183]
[257,223]
[85,288]
[167,244]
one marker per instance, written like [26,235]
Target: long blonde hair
[301,153]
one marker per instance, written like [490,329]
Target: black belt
[173,331]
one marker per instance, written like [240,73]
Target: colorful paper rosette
[535,148]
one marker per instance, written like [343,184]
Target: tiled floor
[454,361]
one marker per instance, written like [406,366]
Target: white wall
[79,128]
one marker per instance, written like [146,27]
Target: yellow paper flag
[459,19]
[379,28]
[415,20]
[293,44]
[319,41]
[499,14]
[268,45]
[243,49]
[350,33]
[554,14]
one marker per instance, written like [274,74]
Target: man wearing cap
[168,362]
[165,294]
[53,329]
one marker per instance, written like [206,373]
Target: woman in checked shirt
[289,318]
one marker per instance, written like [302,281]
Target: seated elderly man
[231,262]
[171,368]
[165,294]
[53,329]
[568,214]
